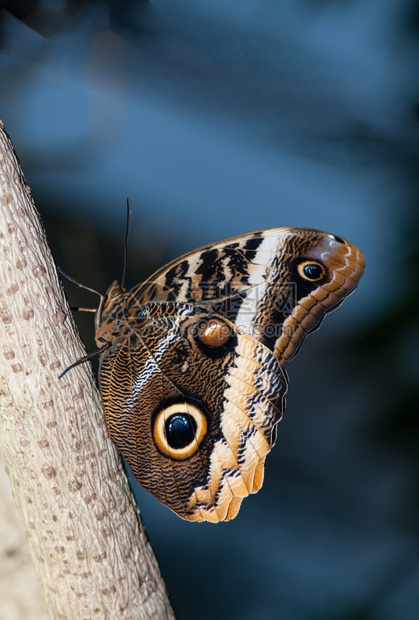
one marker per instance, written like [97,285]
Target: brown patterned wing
[194,416]
[275,285]
[192,381]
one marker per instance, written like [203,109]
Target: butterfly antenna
[127,229]
[92,290]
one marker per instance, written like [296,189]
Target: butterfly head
[111,304]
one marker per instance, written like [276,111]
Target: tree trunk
[86,539]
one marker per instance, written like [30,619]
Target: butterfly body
[191,374]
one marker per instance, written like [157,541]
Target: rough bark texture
[20,594]
[85,536]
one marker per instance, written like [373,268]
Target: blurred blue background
[217,118]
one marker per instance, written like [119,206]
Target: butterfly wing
[193,384]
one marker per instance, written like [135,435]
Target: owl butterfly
[192,361]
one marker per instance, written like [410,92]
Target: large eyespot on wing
[179,429]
